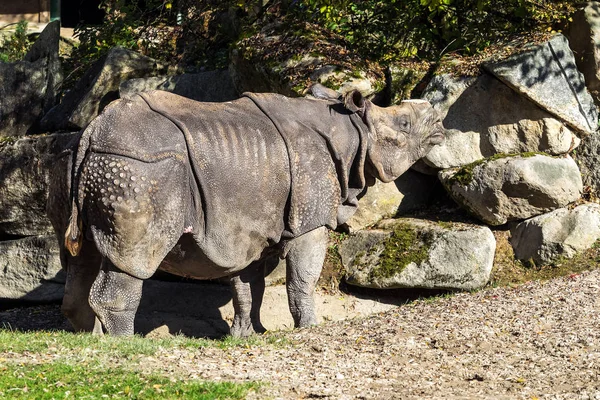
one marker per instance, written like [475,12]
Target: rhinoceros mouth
[437,137]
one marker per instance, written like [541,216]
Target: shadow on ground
[204,310]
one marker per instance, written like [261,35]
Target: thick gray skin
[100,297]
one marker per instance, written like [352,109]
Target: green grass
[39,341]
[58,364]
[508,271]
[60,380]
[55,341]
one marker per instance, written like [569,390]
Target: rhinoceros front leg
[304,264]
[248,291]
[115,297]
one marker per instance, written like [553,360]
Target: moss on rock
[405,245]
[464,175]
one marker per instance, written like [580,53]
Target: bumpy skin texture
[207,190]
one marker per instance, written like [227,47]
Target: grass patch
[333,270]
[510,272]
[43,341]
[59,380]
[45,365]
[121,347]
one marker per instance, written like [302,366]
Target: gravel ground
[538,340]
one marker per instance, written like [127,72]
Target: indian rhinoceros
[206,190]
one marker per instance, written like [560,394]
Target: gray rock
[584,38]
[588,159]
[440,255]
[28,88]
[97,88]
[560,233]
[514,188]
[547,74]
[204,86]
[546,135]
[24,167]
[30,269]
[485,117]
[344,80]
[411,191]
[459,148]
[443,91]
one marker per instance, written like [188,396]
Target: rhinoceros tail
[73,236]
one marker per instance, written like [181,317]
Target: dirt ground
[536,340]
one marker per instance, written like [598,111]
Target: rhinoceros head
[398,135]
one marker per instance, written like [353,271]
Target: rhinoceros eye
[403,124]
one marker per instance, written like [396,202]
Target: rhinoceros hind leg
[81,273]
[115,297]
[248,291]
[304,264]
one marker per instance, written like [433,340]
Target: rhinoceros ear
[355,102]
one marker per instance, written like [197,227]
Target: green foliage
[200,33]
[16,45]
[61,380]
[385,30]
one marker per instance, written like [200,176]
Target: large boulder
[411,253]
[584,38]
[24,168]
[411,191]
[30,269]
[547,74]
[203,86]
[560,233]
[97,88]
[510,188]
[484,117]
[28,88]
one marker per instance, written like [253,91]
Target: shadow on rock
[396,297]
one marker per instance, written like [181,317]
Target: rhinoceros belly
[188,260]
